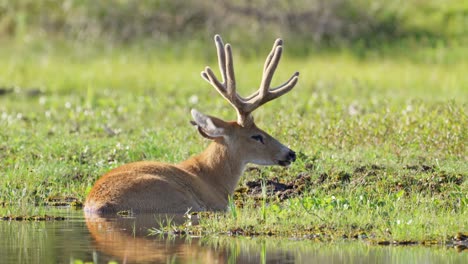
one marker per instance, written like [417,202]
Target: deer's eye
[258,138]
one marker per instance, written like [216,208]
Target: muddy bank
[425,179]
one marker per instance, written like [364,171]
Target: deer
[204,182]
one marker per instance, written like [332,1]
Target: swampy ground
[381,134]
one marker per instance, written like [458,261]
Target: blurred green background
[364,26]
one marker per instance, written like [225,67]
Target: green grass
[366,131]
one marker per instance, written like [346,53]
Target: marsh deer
[205,181]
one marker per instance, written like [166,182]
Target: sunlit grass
[391,217]
[69,115]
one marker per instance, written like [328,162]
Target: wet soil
[420,178]
[32,218]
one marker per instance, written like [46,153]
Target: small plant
[166,226]
[232,208]
[264,202]
[134,228]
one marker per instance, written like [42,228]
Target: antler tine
[263,88]
[227,88]
[221,56]
[274,92]
[278,42]
[208,74]
[270,69]
[231,80]
[265,93]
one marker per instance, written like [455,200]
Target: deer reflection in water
[126,239]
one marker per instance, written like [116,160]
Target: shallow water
[126,240]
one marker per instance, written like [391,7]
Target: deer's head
[244,138]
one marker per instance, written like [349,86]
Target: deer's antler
[227,88]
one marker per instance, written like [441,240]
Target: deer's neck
[217,166]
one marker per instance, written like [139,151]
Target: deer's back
[145,187]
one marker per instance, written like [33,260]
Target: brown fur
[200,183]
[160,187]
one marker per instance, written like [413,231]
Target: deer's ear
[206,126]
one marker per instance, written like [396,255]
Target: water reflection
[126,240]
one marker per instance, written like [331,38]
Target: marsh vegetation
[380,126]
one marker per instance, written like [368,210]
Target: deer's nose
[292,155]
